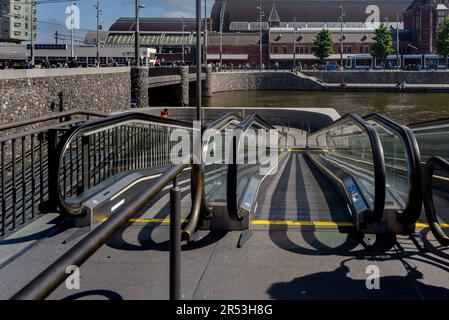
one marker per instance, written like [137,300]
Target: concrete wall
[239,81]
[26,94]
[387,77]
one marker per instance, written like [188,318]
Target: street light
[137,35]
[99,12]
[261,15]
[342,15]
[198,61]
[182,40]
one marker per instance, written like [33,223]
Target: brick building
[423,19]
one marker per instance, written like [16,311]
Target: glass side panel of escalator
[396,166]
[346,146]
[98,157]
[216,158]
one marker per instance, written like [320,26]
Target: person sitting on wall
[164,113]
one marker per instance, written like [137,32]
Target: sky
[52,16]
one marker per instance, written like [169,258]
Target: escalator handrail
[429,205]
[412,211]
[231,188]
[68,138]
[378,160]
[199,205]
[429,124]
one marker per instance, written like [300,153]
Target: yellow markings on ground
[301,223]
[328,224]
[425,225]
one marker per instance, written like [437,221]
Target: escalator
[364,172]
[360,172]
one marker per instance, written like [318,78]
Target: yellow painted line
[276,223]
[302,223]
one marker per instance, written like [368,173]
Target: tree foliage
[323,45]
[383,45]
[442,44]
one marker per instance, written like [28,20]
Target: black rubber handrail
[199,205]
[47,281]
[70,136]
[231,187]
[412,210]
[378,161]
[429,205]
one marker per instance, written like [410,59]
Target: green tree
[383,45]
[442,44]
[322,45]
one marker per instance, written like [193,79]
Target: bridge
[331,200]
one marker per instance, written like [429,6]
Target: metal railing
[24,167]
[45,283]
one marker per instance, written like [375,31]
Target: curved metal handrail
[378,162]
[68,138]
[231,189]
[429,205]
[412,211]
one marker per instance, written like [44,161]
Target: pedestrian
[164,113]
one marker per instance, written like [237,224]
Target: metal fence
[24,167]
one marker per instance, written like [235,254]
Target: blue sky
[52,17]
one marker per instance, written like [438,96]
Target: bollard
[175,242]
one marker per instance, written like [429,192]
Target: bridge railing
[24,166]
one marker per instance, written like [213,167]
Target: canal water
[405,108]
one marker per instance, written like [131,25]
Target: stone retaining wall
[385,77]
[240,81]
[27,94]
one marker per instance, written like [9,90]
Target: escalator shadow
[312,245]
[155,236]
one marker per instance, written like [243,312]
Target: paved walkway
[277,262]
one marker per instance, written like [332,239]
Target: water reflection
[405,108]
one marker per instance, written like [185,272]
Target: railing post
[175,242]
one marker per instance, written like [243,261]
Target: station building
[284,30]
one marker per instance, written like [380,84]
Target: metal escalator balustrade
[432,183]
[256,149]
[350,154]
[402,167]
[100,153]
[433,141]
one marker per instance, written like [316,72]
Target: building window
[284,50]
[297,50]
[441,17]
[275,50]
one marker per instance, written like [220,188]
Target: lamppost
[32,33]
[222,12]
[342,15]
[205,33]
[182,40]
[261,15]
[398,62]
[97,7]
[294,45]
[137,34]
[198,61]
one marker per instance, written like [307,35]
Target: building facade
[17,20]
[423,18]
